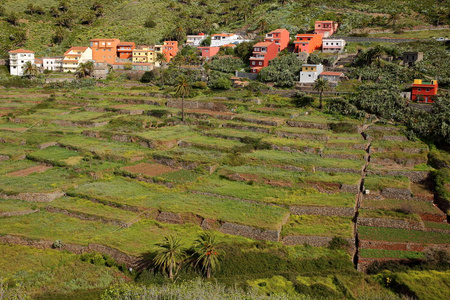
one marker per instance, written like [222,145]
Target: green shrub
[338,243]
[221,83]
[147,77]
[344,127]
[302,100]
[200,85]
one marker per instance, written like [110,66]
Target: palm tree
[377,52]
[169,255]
[161,58]
[182,89]
[30,69]
[206,253]
[320,85]
[85,69]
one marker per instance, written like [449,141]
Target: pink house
[325,28]
[263,52]
[208,52]
[280,37]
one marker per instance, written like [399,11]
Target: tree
[85,69]
[13,19]
[182,89]
[161,59]
[169,255]
[320,85]
[30,69]
[206,253]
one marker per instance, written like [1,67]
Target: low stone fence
[4,157]
[308,125]
[390,223]
[414,176]
[246,128]
[18,213]
[250,232]
[383,245]
[259,121]
[34,197]
[303,136]
[87,217]
[315,241]
[251,76]
[338,170]
[395,193]
[322,211]
[188,104]
[79,123]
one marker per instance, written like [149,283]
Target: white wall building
[222,39]
[74,56]
[333,45]
[17,59]
[195,40]
[53,63]
[310,73]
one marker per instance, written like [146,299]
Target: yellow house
[144,54]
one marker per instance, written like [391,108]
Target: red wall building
[104,50]
[280,37]
[263,52]
[208,52]
[423,91]
[307,43]
[325,28]
[170,49]
[125,50]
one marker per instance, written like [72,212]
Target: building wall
[18,60]
[271,53]
[282,35]
[104,50]
[52,64]
[309,76]
[302,44]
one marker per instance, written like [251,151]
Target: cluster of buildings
[116,54]
[104,53]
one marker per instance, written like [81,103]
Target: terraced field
[117,168]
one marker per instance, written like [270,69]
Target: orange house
[280,37]
[125,50]
[170,49]
[307,43]
[423,91]
[104,50]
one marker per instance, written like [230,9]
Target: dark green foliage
[338,243]
[316,290]
[344,127]
[244,51]
[225,64]
[147,77]
[200,85]
[149,23]
[342,106]
[12,19]
[221,83]
[284,71]
[302,100]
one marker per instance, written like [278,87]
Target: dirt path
[28,171]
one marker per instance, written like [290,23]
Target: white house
[53,63]
[222,39]
[17,59]
[333,45]
[310,73]
[195,40]
[74,56]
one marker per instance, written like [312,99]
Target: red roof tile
[21,51]
[331,73]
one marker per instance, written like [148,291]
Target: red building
[170,49]
[125,50]
[307,43]
[208,52]
[280,37]
[325,28]
[263,52]
[424,92]
[104,50]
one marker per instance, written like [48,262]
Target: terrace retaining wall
[315,241]
[18,213]
[303,136]
[79,123]
[214,106]
[46,145]
[4,157]
[414,176]
[34,197]
[246,128]
[259,121]
[322,211]
[390,223]
[118,256]
[349,188]
[250,232]
[383,245]
[87,217]
[308,125]
[395,193]
[338,170]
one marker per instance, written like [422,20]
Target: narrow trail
[359,196]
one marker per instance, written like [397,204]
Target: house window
[427,90]
[260,63]
[309,75]
[419,89]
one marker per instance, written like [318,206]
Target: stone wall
[250,232]
[414,176]
[390,223]
[259,121]
[87,217]
[35,197]
[214,106]
[4,157]
[322,211]
[247,128]
[395,193]
[315,241]
[303,136]
[348,188]
[18,213]
[400,246]
[308,125]
[46,145]
[338,170]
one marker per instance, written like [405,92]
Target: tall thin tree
[320,85]
[182,89]
[169,256]
[207,253]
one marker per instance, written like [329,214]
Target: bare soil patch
[149,169]
[120,106]
[28,171]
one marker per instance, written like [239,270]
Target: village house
[280,37]
[101,70]
[38,63]
[333,45]
[325,28]
[208,52]
[195,40]
[423,91]
[263,52]
[410,58]
[125,50]
[332,77]
[104,50]
[170,49]
[310,73]
[307,43]
[54,63]
[222,39]
[74,56]
[17,59]
[144,54]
